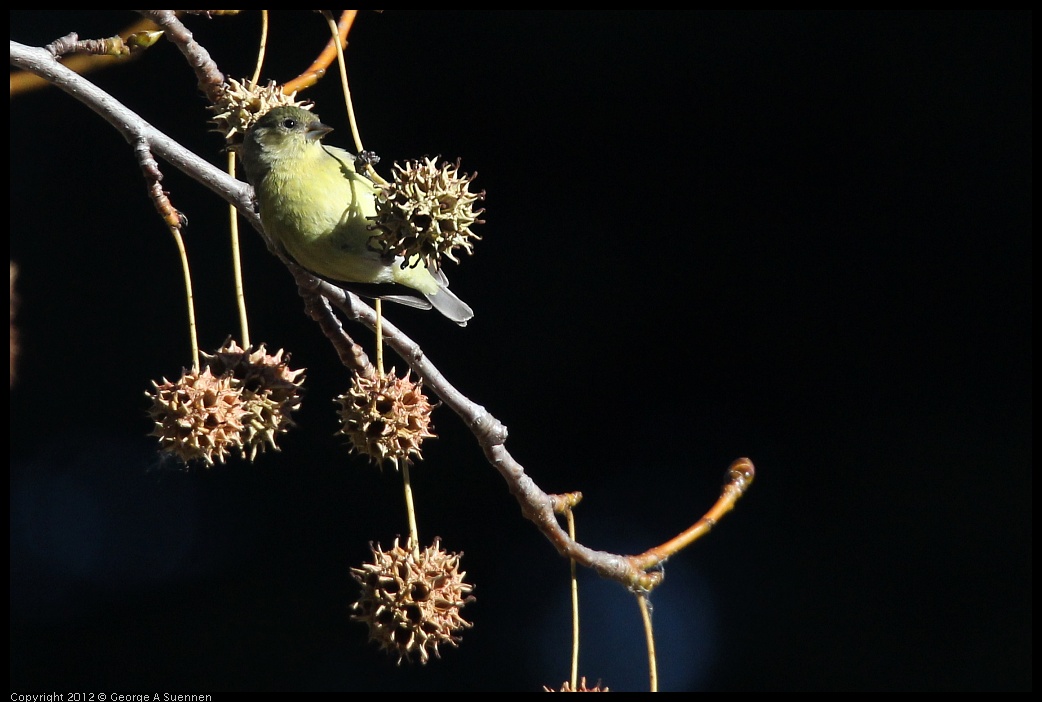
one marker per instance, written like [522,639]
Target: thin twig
[352,355]
[211,80]
[739,477]
[573,578]
[25,81]
[240,289]
[378,306]
[649,637]
[345,87]
[262,48]
[193,334]
[410,507]
[174,221]
[233,224]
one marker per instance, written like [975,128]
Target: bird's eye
[289,123]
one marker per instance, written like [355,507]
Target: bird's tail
[446,302]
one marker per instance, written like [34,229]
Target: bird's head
[283,132]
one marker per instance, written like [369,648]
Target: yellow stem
[410,509]
[575,606]
[263,47]
[233,218]
[343,80]
[348,104]
[190,299]
[379,337]
[645,614]
[240,296]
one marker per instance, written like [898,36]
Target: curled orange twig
[318,68]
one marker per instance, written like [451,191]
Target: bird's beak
[318,130]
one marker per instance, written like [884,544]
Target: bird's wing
[388,291]
[348,162]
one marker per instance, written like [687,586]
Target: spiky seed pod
[386,417]
[241,104]
[199,417]
[411,603]
[567,687]
[271,391]
[426,213]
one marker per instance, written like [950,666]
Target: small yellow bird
[319,208]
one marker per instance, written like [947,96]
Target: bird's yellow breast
[321,211]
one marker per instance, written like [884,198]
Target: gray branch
[536,505]
[135,129]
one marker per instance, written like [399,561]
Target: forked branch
[635,572]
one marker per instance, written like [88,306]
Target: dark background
[798,237]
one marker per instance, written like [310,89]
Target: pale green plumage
[314,203]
